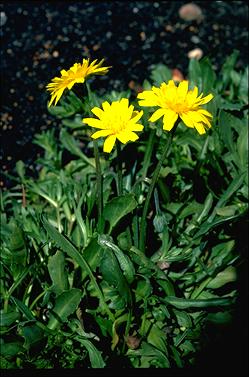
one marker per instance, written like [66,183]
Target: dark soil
[40,38]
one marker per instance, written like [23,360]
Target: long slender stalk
[99,180]
[151,188]
[148,152]
[119,167]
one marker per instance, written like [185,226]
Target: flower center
[116,125]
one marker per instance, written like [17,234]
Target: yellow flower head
[117,120]
[76,74]
[174,102]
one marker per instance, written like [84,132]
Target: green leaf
[227,211]
[56,268]
[194,73]
[72,146]
[243,87]
[116,323]
[206,226]
[11,349]
[156,337]
[226,120]
[182,303]
[177,357]
[242,147]
[220,318]
[6,319]
[112,274]
[117,208]
[75,123]
[191,208]
[227,276]
[157,357]
[226,105]
[95,356]
[161,73]
[13,237]
[23,309]
[232,188]
[32,335]
[70,104]
[92,254]
[228,66]
[208,75]
[143,289]
[65,305]
[20,169]
[183,318]
[70,250]
[124,261]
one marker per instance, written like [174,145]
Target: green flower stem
[127,328]
[151,189]
[37,299]
[148,153]
[99,180]
[119,168]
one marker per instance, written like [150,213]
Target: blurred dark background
[40,38]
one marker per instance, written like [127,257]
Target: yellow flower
[76,74]
[174,102]
[117,120]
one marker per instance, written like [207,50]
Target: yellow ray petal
[96,123]
[98,112]
[200,128]
[106,106]
[122,137]
[131,135]
[169,119]
[182,89]
[109,143]
[101,133]
[135,127]
[136,115]
[205,112]
[187,120]
[156,115]
[205,99]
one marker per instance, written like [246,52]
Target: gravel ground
[40,38]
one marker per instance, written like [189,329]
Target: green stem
[99,180]
[119,167]
[148,153]
[127,328]
[151,189]
[6,304]
[37,299]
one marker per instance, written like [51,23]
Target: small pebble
[195,39]
[3,18]
[108,34]
[142,36]
[196,53]
[190,12]
[55,54]
[177,75]
[169,28]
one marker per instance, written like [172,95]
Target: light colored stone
[190,12]
[3,18]
[196,53]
